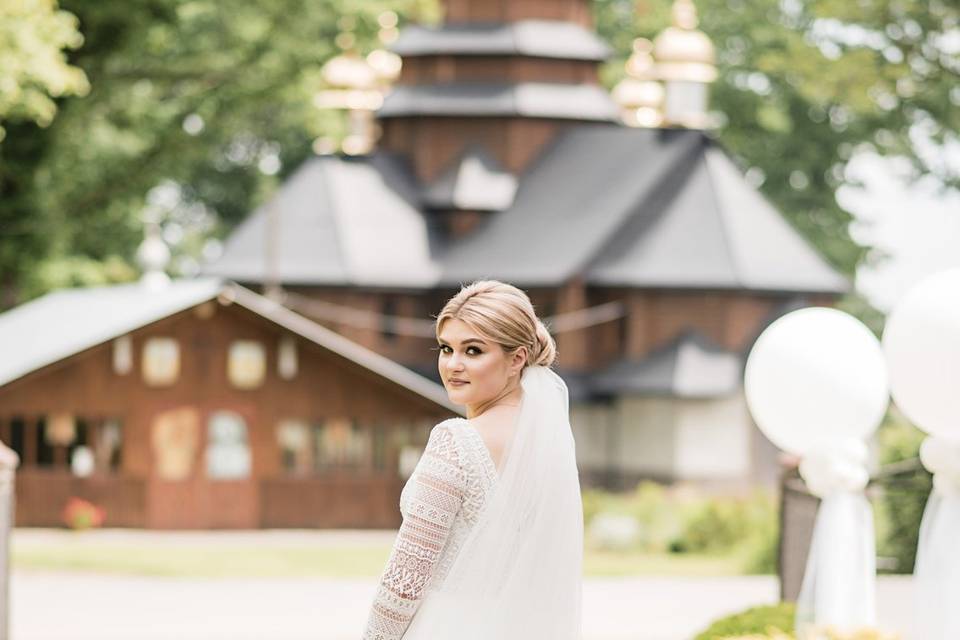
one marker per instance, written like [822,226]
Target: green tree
[196,110]
[33,66]
[804,86]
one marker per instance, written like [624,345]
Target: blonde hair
[502,313]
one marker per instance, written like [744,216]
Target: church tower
[481,95]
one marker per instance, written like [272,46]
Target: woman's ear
[518,360]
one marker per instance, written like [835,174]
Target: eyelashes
[471,351]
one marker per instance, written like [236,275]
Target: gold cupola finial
[686,64]
[357,85]
[640,94]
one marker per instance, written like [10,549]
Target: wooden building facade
[210,408]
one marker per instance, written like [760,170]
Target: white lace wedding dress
[440,503]
[487,553]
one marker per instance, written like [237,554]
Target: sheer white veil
[518,574]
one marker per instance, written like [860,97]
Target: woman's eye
[444,349]
[474,350]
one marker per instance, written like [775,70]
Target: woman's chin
[458,396]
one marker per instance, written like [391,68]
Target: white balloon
[921,343]
[814,376]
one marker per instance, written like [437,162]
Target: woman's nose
[454,363]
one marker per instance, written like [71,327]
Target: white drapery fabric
[937,571]
[518,574]
[839,584]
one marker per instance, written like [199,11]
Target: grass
[299,560]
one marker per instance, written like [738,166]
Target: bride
[491,544]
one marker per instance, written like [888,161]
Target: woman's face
[473,369]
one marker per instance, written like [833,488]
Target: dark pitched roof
[534,38]
[688,367]
[484,99]
[617,206]
[33,335]
[475,181]
[579,194]
[641,208]
[339,221]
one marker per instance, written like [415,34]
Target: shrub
[658,517]
[683,520]
[592,504]
[763,621]
[724,524]
[614,532]
[717,525]
[903,498]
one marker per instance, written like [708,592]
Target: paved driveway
[73,606]
[52,606]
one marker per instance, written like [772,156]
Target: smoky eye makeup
[445,348]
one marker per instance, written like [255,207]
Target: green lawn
[353,561]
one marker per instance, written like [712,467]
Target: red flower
[82,514]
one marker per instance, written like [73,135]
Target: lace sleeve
[437,487]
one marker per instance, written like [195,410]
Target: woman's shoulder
[446,426]
[444,433]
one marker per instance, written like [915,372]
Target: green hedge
[758,620]
[691,521]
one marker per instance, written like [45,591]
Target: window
[329,445]
[107,445]
[287,361]
[63,441]
[296,452]
[123,355]
[161,361]
[379,448]
[246,364]
[342,444]
[228,451]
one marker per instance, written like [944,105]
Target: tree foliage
[198,108]
[33,65]
[805,85]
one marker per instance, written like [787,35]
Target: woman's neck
[509,397]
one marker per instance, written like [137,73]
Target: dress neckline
[487,457]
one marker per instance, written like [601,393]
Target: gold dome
[683,52]
[639,95]
[386,64]
[349,71]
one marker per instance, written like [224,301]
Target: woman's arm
[435,496]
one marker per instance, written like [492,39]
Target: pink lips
[457,383]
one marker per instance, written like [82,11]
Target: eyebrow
[467,341]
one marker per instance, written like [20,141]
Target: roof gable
[581,192]
[475,181]
[341,221]
[690,366]
[676,238]
[767,252]
[64,323]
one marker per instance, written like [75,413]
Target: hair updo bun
[544,351]
[503,314]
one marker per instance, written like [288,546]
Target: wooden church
[502,157]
